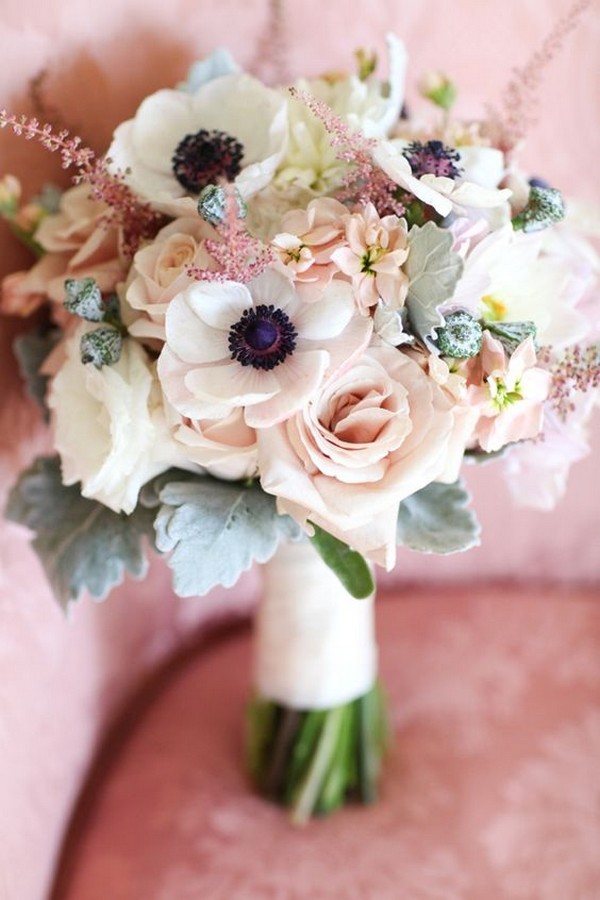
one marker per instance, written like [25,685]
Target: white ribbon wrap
[314,644]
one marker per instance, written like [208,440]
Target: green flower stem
[313,761]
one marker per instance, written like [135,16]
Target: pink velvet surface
[492,789]
[61,680]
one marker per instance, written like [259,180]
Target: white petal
[160,124]
[219,304]
[327,318]
[298,378]
[190,338]
[232,383]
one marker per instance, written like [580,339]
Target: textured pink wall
[60,681]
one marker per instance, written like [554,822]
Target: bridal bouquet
[273,323]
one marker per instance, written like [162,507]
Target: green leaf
[31,350]
[215,530]
[436,520]
[349,566]
[433,270]
[82,544]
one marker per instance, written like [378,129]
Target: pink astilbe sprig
[241,256]
[137,220]
[577,371]
[365,182]
[520,100]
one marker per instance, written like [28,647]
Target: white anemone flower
[257,346]
[508,278]
[231,128]
[444,194]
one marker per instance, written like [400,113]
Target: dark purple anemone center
[263,337]
[206,157]
[433,158]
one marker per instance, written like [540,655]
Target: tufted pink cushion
[61,681]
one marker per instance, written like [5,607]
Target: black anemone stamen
[262,338]
[433,158]
[205,158]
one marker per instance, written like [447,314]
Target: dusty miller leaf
[433,270]
[215,530]
[31,350]
[82,544]
[437,520]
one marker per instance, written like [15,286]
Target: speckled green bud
[83,298]
[545,207]
[212,204]
[101,347]
[461,335]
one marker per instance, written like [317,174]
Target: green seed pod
[84,298]
[461,335]
[212,204]
[101,347]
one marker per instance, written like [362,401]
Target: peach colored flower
[365,440]
[508,393]
[373,258]
[226,448]
[159,271]
[19,297]
[77,245]
[307,242]
[256,346]
[454,385]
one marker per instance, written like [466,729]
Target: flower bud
[212,204]
[101,347]
[83,298]
[438,88]
[461,335]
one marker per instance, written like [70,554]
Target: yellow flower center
[494,309]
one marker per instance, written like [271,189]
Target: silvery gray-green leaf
[511,334]
[437,520]
[82,545]
[31,350]
[433,270]
[215,530]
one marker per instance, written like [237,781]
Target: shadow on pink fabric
[62,680]
[492,790]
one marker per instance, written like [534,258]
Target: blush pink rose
[160,271]
[366,440]
[226,448]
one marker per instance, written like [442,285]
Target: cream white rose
[366,440]
[109,425]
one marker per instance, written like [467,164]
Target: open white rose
[109,425]
[366,440]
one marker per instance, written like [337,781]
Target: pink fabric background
[61,681]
